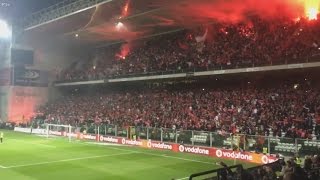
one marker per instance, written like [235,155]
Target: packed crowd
[284,109]
[290,169]
[218,46]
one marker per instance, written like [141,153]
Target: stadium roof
[105,24]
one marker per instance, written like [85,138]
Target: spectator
[222,46]
[244,110]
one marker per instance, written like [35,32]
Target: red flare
[124,51]
[125,9]
[311,9]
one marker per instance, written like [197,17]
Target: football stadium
[160,90]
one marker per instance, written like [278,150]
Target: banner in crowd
[179,148]
[30,77]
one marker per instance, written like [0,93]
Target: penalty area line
[66,160]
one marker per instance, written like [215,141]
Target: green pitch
[29,157]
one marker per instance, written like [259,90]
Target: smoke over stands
[187,12]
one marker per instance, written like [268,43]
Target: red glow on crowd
[24,101]
[191,12]
[124,51]
[160,21]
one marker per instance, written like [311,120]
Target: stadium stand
[271,116]
[214,47]
[258,108]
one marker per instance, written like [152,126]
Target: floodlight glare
[119,25]
[5,32]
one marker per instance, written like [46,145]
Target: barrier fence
[201,143]
[261,144]
[217,174]
[251,143]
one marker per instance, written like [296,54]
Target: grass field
[29,157]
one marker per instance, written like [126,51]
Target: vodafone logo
[181,148]
[219,153]
[90,137]
[194,150]
[131,142]
[265,159]
[233,155]
[159,145]
[109,139]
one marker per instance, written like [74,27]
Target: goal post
[57,128]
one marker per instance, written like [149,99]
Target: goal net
[60,130]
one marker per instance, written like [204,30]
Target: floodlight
[119,25]
[5,32]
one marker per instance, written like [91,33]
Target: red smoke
[124,51]
[24,101]
[195,12]
[111,31]
[125,9]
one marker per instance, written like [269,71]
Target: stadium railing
[216,174]
[261,144]
[308,59]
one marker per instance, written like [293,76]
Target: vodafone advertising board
[159,145]
[233,155]
[109,139]
[194,149]
[213,152]
[56,133]
[244,156]
[88,136]
[125,141]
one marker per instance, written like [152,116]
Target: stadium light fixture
[119,26]
[5,32]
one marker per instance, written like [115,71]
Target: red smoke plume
[125,9]
[195,12]
[124,51]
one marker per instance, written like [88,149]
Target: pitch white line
[165,156]
[3,167]
[183,178]
[184,159]
[105,144]
[152,154]
[66,160]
